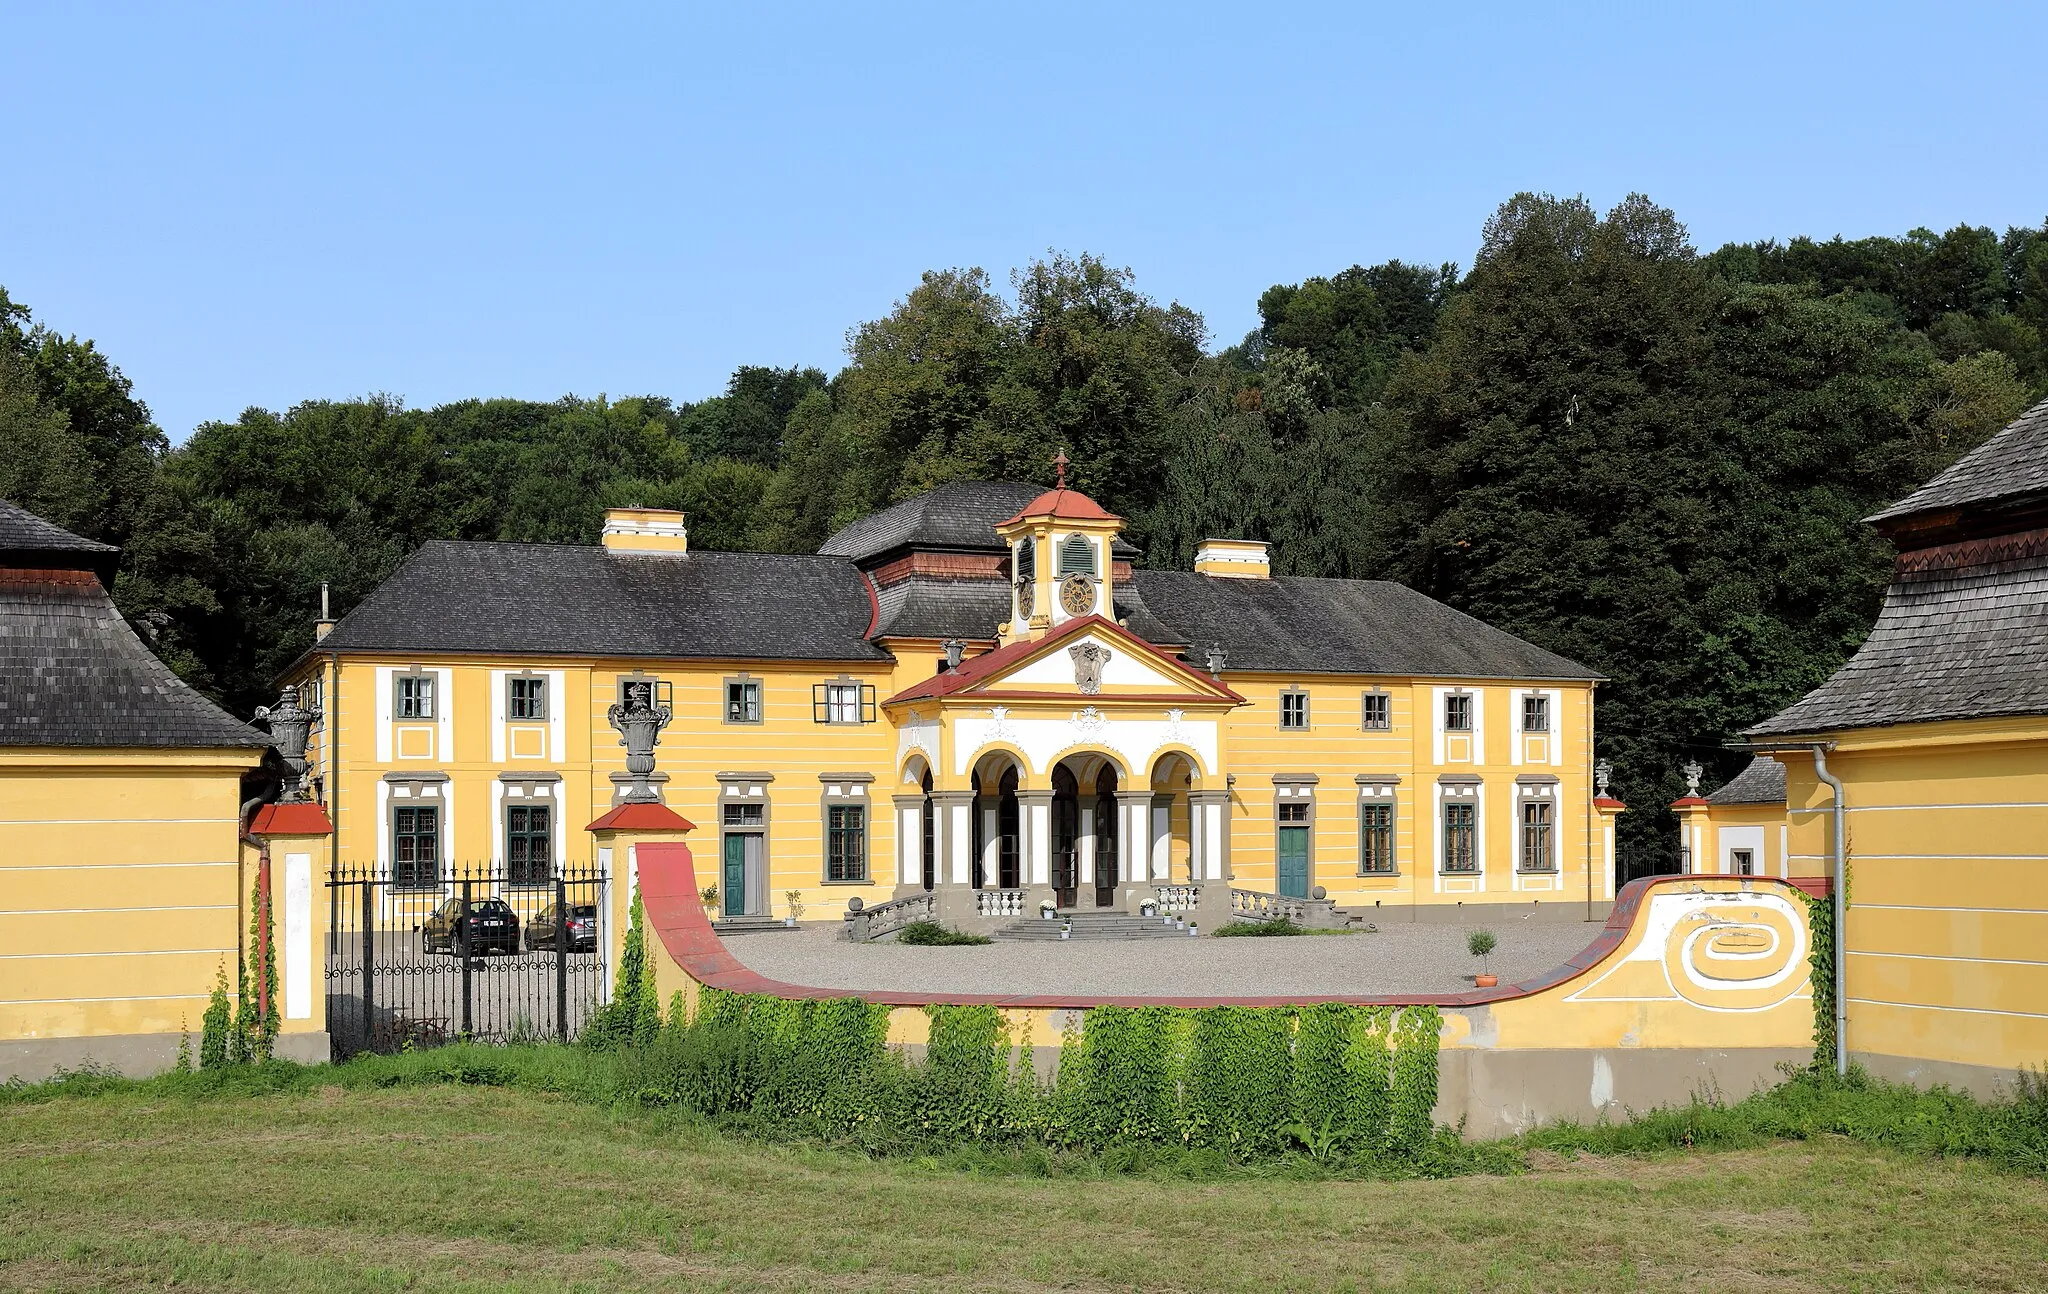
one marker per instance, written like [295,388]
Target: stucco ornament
[1089,658]
[1090,724]
[291,724]
[999,728]
[1174,732]
[639,721]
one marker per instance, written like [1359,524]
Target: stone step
[1091,927]
[749,925]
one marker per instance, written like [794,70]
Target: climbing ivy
[633,1017]
[1411,1097]
[1820,920]
[256,1014]
[217,1023]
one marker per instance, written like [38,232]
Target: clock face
[1077,595]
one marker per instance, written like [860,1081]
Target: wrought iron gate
[486,955]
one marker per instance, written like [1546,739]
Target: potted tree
[1481,943]
[795,899]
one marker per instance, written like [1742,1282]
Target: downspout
[1841,906]
[1839,849]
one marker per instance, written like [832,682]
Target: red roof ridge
[641,816]
[976,668]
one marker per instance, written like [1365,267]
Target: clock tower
[1060,560]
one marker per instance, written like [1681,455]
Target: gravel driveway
[1400,958]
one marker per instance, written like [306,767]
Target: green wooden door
[735,887]
[1294,862]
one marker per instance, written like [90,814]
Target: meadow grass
[314,1186]
[474,1168]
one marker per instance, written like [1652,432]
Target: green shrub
[930,934]
[216,1024]
[1243,929]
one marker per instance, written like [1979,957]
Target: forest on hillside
[1647,458]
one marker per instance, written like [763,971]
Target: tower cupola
[1060,559]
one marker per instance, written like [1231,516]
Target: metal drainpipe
[1839,850]
[1841,905]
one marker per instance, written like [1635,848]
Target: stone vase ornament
[639,721]
[291,726]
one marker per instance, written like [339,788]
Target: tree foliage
[1647,459]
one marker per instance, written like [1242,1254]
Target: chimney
[1237,559]
[325,624]
[645,530]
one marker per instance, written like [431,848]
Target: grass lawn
[455,1188]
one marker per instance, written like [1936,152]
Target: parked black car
[491,926]
[581,921]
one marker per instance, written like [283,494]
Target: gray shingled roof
[1956,643]
[22,531]
[72,673]
[563,600]
[1299,625]
[972,610]
[1762,782]
[957,515]
[2010,465]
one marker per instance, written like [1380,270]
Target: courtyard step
[1091,926]
[748,925]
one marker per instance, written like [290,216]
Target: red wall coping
[641,817]
[290,820]
[675,912]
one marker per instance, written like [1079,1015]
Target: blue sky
[261,206]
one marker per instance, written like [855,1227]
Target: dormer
[1061,560]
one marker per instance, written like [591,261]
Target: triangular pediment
[1091,658]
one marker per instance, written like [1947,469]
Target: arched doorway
[1066,836]
[1083,824]
[1104,820]
[998,855]
[928,832]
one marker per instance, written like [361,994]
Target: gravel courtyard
[1400,958]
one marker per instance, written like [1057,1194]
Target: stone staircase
[748,925]
[1095,926]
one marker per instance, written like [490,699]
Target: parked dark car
[491,926]
[582,923]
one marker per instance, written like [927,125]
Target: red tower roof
[1062,502]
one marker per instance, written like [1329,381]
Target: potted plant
[1480,943]
[710,898]
[1148,908]
[795,899]
[1066,930]
[1047,909]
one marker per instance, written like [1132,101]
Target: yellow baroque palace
[974,694]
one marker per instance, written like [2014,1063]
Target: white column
[992,842]
[960,840]
[1161,824]
[1038,837]
[1135,836]
[1086,844]
[1197,841]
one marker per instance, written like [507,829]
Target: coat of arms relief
[1089,658]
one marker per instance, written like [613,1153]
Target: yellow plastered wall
[120,888]
[1947,918]
[1336,749]
[475,749]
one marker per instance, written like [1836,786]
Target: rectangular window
[1536,855]
[1460,832]
[1296,811]
[1376,712]
[846,852]
[743,700]
[529,844]
[1458,712]
[1375,838]
[415,698]
[1535,714]
[743,815]
[1743,862]
[527,698]
[1294,709]
[842,703]
[416,845]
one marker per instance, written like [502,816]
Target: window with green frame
[846,842]
[1461,828]
[529,844]
[1375,838]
